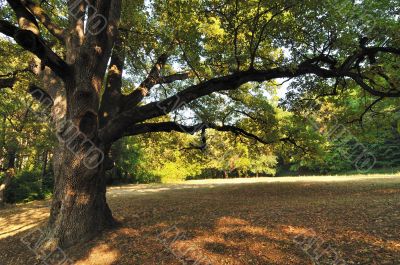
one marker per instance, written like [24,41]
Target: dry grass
[240,223]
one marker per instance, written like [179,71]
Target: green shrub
[146,177]
[117,176]
[25,187]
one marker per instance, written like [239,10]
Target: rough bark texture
[79,210]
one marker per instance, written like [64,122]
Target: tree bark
[79,210]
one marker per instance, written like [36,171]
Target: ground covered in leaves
[273,221]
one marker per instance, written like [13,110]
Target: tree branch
[41,15]
[36,45]
[359,80]
[152,79]
[369,108]
[143,128]
[172,126]
[26,20]
[27,36]
[172,78]
[117,126]
[111,102]
[75,36]
[7,28]
[102,32]
[8,80]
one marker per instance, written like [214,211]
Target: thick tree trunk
[79,210]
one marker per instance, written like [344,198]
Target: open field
[246,221]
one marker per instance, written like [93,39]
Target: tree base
[77,224]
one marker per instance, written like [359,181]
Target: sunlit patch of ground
[235,221]
[17,219]
[101,254]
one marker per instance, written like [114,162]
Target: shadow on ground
[265,223]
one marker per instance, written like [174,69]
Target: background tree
[25,136]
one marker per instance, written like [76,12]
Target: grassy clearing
[233,222]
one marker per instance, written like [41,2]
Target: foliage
[28,186]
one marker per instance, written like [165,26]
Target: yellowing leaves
[212,28]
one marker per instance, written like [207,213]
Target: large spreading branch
[76,31]
[112,96]
[27,35]
[118,126]
[143,128]
[101,34]
[190,129]
[25,18]
[392,93]
[151,80]
[41,15]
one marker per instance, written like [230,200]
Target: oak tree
[180,55]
